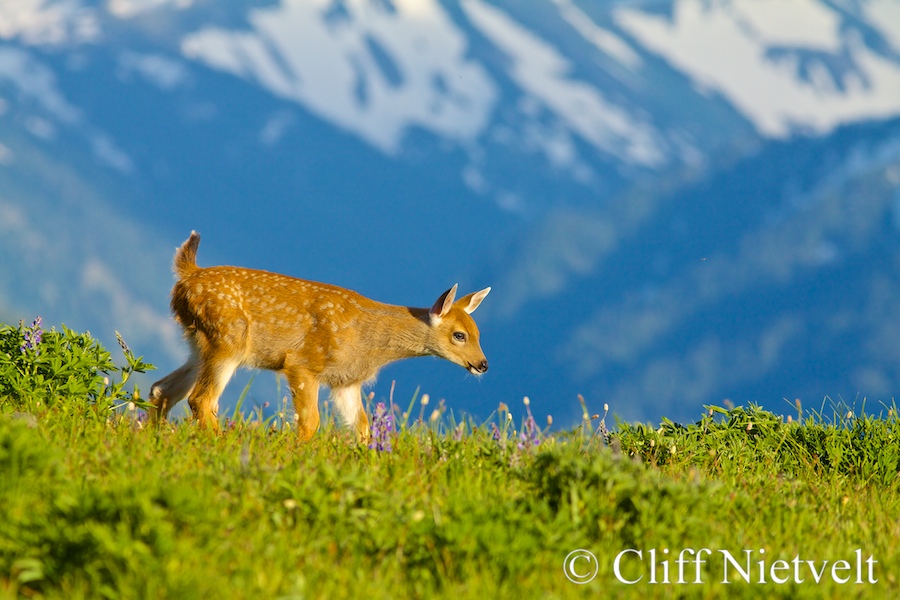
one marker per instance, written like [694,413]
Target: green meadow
[742,503]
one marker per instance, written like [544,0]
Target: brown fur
[313,333]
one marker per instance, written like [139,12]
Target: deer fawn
[313,333]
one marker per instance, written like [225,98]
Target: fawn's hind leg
[212,375]
[172,389]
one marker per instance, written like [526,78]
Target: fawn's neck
[396,332]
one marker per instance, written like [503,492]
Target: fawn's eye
[459,336]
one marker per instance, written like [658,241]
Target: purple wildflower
[498,436]
[603,431]
[140,420]
[33,336]
[382,428]
[531,433]
[530,436]
[122,344]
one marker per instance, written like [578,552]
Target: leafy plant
[42,370]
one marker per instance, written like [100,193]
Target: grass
[97,505]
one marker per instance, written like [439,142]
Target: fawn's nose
[478,368]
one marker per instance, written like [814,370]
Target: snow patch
[884,16]
[276,127]
[37,86]
[109,154]
[161,71]
[542,71]
[39,22]
[369,69]
[605,40]
[37,83]
[790,23]
[126,9]
[728,46]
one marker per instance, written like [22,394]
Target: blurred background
[675,202]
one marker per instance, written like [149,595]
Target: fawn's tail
[186,256]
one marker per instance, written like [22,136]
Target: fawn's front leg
[305,395]
[347,402]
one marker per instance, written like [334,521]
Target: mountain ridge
[555,150]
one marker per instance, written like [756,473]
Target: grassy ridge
[96,505]
[98,508]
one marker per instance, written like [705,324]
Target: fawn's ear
[470,302]
[442,306]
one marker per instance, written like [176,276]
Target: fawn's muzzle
[478,369]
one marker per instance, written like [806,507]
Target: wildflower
[424,400]
[603,431]
[382,428]
[497,436]
[526,401]
[458,432]
[530,435]
[122,344]
[33,336]
[549,420]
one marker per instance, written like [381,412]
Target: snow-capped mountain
[659,192]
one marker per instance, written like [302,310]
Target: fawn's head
[455,333]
